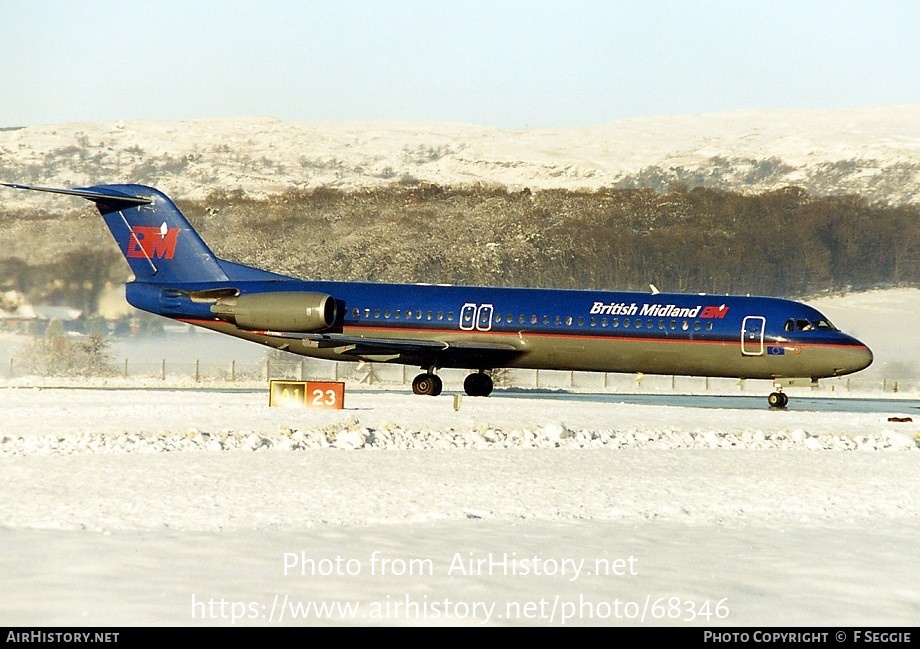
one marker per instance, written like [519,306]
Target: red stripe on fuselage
[386,332]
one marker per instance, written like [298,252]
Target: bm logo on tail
[148,242]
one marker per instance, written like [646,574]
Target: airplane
[478,328]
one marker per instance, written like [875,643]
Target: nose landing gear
[778,400]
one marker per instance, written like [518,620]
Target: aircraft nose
[855,358]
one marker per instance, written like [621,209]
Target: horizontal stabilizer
[97,195]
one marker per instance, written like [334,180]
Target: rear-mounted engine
[281,311]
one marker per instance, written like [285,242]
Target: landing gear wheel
[427,384]
[777,400]
[478,385]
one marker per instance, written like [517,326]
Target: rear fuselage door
[752,335]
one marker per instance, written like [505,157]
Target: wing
[410,350]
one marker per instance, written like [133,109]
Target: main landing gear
[476,385]
[428,384]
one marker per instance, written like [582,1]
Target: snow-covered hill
[871,151]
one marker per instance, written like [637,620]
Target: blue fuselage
[664,333]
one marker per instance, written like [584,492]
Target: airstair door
[752,335]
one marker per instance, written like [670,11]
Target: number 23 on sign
[328,395]
[325,394]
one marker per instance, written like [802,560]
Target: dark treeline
[779,243]
[784,242]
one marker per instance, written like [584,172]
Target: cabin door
[476,316]
[752,335]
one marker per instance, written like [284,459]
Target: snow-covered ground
[137,503]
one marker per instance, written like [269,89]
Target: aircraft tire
[427,384]
[478,385]
[777,400]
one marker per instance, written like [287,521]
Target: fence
[383,375]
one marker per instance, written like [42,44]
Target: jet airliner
[477,328]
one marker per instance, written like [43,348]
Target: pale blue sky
[503,63]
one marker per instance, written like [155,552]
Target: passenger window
[355,313]
[593,322]
[581,321]
[603,322]
[418,315]
[367,313]
[684,325]
[625,323]
[440,315]
[638,323]
[673,324]
[386,314]
[546,319]
[661,324]
[569,321]
[450,316]
[533,319]
[708,326]
[521,319]
[408,314]
[697,325]
[558,319]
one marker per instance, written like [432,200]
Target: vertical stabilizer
[158,242]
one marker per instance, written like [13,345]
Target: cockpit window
[800,324]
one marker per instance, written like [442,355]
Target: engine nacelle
[280,311]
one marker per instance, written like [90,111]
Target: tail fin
[160,245]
